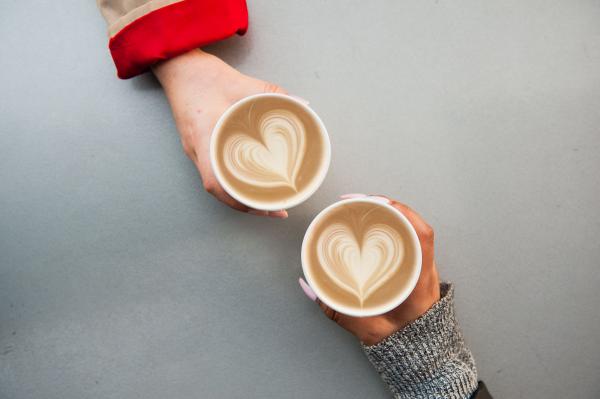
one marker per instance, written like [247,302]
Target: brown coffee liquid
[256,140]
[357,221]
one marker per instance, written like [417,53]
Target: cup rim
[275,206]
[352,311]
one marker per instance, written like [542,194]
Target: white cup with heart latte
[270,151]
[361,257]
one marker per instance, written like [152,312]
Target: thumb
[330,313]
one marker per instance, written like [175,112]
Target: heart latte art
[274,158]
[360,267]
[361,257]
[269,151]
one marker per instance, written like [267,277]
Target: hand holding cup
[373,329]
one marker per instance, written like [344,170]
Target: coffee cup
[361,257]
[270,151]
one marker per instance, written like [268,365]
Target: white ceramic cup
[271,205]
[403,292]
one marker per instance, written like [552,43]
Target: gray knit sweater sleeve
[428,358]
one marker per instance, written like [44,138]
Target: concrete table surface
[121,278]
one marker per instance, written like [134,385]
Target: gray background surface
[121,278]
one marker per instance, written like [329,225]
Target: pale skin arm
[200,87]
[371,330]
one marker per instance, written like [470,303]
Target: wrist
[422,299]
[193,70]
[428,357]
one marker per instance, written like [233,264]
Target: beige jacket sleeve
[143,32]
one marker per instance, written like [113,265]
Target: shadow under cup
[362,228]
[270,151]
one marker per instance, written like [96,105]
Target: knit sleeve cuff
[428,358]
[174,29]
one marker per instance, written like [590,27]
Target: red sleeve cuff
[173,30]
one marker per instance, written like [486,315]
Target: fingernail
[282,214]
[355,195]
[257,212]
[307,290]
[381,199]
[299,99]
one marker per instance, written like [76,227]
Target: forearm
[428,358]
[184,74]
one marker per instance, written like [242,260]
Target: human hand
[200,87]
[371,330]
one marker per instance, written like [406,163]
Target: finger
[413,217]
[424,232]
[231,202]
[282,214]
[257,212]
[308,291]
[330,313]
[228,200]
[212,186]
[382,199]
[352,195]
[269,87]
[420,225]
[272,214]
[306,102]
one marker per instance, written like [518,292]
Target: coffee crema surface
[270,150]
[360,255]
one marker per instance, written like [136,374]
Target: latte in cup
[270,151]
[361,257]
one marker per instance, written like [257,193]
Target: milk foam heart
[361,257]
[360,266]
[269,151]
[273,160]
